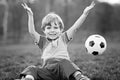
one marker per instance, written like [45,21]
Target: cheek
[58,30]
[46,31]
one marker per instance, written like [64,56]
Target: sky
[112,2]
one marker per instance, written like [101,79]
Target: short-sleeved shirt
[54,49]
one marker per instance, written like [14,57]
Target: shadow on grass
[97,78]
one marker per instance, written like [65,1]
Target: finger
[23,5]
[93,3]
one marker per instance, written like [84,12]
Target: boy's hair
[52,17]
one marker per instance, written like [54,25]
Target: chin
[53,38]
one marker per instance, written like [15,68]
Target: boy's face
[52,30]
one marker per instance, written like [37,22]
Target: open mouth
[52,34]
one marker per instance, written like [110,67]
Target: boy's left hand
[88,8]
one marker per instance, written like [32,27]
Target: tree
[5,18]
[49,5]
[104,13]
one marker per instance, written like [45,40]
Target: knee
[29,77]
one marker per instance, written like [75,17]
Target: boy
[56,61]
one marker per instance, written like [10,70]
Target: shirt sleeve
[41,42]
[65,37]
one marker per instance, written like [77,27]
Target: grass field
[14,58]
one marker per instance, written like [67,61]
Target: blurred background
[103,19]
[17,49]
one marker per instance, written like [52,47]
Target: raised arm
[80,20]
[31,27]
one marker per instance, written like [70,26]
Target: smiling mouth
[52,34]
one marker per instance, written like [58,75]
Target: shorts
[54,69]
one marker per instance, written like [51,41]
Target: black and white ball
[95,44]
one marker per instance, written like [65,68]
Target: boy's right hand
[25,6]
[88,8]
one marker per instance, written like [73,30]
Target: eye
[48,27]
[55,27]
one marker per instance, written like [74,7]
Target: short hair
[51,17]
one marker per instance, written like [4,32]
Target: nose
[52,29]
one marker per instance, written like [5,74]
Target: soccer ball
[95,44]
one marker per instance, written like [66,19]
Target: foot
[81,77]
[24,79]
[84,78]
[27,79]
